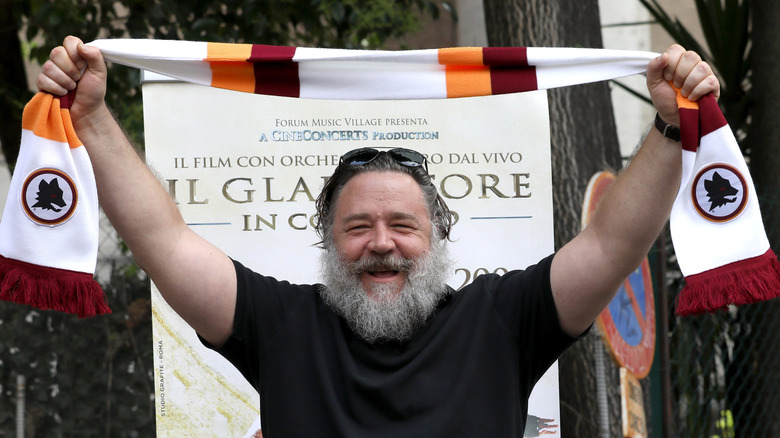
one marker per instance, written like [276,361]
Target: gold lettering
[447,194]
[193,184]
[268,198]
[519,186]
[172,189]
[301,187]
[292,225]
[492,188]
[249,193]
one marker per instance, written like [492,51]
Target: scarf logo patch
[719,192]
[49,197]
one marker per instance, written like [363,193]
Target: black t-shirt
[467,372]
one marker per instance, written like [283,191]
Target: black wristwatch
[668,131]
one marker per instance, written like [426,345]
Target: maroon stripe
[262,53]
[67,100]
[505,56]
[277,79]
[689,128]
[275,72]
[710,115]
[513,80]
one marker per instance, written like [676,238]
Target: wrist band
[668,131]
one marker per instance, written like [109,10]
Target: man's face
[383,274]
[381,214]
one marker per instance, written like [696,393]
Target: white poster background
[244,170]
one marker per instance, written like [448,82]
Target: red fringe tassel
[51,288]
[743,282]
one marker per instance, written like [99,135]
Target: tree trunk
[584,141]
[765,129]
[753,376]
[14,80]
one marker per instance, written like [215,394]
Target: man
[384,348]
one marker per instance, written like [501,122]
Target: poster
[245,169]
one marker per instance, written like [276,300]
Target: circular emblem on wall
[719,192]
[49,197]
[627,324]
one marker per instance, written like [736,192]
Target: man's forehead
[394,215]
[391,187]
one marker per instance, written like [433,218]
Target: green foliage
[321,23]
[726,28]
[84,377]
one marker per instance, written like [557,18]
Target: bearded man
[384,345]
[383,348]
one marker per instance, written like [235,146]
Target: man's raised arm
[194,277]
[587,272]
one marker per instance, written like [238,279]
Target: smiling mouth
[382,274]
[380,267]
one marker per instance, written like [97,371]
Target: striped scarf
[716,225]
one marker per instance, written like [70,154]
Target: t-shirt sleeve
[526,308]
[258,298]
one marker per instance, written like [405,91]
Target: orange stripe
[228,52]
[468,81]
[461,56]
[42,117]
[683,102]
[233,75]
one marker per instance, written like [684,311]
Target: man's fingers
[686,64]
[709,84]
[63,61]
[684,70]
[71,45]
[675,53]
[54,80]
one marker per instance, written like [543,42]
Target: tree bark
[14,91]
[584,141]
[765,129]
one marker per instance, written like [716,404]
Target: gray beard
[384,317]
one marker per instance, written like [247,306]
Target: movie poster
[245,170]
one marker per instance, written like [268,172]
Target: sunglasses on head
[404,157]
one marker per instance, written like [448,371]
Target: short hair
[439,214]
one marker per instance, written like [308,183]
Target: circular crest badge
[628,323]
[719,192]
[49,197]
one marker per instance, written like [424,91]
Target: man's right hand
[197,279]
[71,64]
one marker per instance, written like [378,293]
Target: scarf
[716,225]
[49,228]
[716,275]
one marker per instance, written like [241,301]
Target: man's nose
[381,240]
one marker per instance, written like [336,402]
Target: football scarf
[717,276]
[716,225]
[49,228]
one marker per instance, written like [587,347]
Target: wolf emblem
[49,194]
[718,188]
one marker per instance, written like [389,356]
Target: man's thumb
[93,57]
[655,71]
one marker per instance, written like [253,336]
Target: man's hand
[587,271]
[195,278]
[686,71]
[71,64]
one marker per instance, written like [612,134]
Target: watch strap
[668,131]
